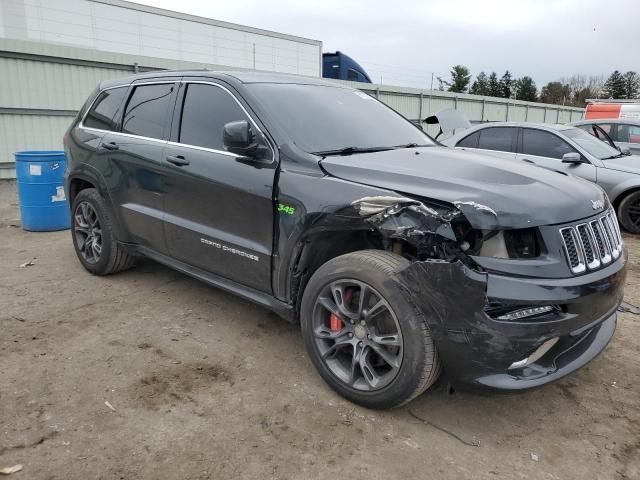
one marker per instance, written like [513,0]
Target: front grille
[593,244]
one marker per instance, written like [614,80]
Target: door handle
[178,160]
[110,146]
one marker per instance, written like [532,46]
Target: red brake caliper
[335,324]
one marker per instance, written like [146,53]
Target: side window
[497,138]
[627,133]
[205,111]
[103,113]
[470,141]
[352,75]
[148,110]
[544,144]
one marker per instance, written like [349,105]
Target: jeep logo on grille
[597,204]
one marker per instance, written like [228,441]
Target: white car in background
[565,149]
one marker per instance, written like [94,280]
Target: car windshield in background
[325,119]
[591,144]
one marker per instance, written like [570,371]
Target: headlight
[521,244]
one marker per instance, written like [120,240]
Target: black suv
[399,257]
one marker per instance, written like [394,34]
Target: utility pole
[431,81]
[254,56]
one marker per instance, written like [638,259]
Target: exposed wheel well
[76,186]
[318,249]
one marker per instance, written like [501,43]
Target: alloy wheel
[88,232]
[357,334]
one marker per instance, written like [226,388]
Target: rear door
[546,149]
[135,153]
[219,206]
[495,141]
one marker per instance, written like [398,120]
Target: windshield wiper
[410,145]
[615,156]
[351,151]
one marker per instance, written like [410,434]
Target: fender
[89,174]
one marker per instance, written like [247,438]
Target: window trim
[520,146]
[181,82]
[186,83]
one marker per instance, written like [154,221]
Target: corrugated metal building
[54,53]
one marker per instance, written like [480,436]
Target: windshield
[591,144]
[324,118]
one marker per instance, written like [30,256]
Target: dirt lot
[152,375]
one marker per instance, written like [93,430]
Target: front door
[546,149]
[219,206]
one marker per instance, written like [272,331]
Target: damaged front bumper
[480,351]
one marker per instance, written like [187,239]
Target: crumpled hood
[492,193]
[629,164]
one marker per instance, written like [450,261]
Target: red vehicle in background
[628,109]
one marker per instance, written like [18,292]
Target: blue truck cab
[342,67]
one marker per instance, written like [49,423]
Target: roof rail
[611,100]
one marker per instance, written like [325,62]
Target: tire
[90,215]
[410,364]
[629,212]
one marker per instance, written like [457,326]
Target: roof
[545,126]
[626,121]
[240,76]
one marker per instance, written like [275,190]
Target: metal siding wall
[29,132]
[120,29]
[33,84]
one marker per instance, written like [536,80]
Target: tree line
[571,91]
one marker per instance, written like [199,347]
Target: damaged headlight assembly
[519,244]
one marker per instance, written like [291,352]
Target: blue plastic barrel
[43,205]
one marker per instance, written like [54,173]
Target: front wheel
[629,212]
[363,332]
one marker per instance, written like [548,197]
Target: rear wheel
[363,332]
[93,236]
[629,212]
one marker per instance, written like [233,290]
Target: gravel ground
[150,374]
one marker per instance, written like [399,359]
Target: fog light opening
[535,356]
[527,312]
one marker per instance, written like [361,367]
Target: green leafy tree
[506,85]
[631,85]
[615,86]
[460,78]
[526,89]
[480,85]
[495,89]
[555,92]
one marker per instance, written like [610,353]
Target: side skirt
[282,309]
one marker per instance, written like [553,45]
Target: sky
[405,42]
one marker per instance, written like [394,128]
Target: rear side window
[103,113]
[496,138]
[148,110]
[470,141]
[205,111]
[544,144]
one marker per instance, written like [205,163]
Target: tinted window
[205,111]
[591,144]
[627,133]
[321,118]
[103,111]
[545,144]
[496,138]
[470,141]
[147,110]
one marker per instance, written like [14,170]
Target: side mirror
[238,138]
[625,150]
[573,157]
